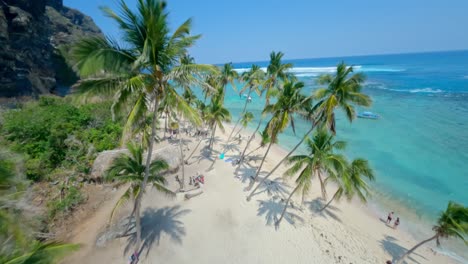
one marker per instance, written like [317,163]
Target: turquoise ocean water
[419,146]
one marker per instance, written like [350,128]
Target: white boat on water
[368,115]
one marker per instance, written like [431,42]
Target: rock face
[30,34]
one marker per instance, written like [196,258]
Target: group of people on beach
[389,220]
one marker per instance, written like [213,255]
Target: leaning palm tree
[352,182]
[181,109]
[319,160]
[343,91]
[244,121]
[277,74]
[253,79]
[137,75]
[291,101]
[216,114]
[452,223]
[228,76]
[131,169]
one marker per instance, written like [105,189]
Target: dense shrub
[54,133]
[72,198]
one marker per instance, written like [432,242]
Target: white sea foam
[315,71]
[425,90]
[416,90]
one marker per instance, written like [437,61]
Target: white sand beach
[220,226]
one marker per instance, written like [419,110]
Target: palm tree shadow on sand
[271,209]
[275,188]
[317,204]
[389,244]
[157,222]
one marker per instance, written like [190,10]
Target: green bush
[71,199]
[40,131]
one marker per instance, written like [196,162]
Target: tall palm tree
[290,101]
[352,181]
[253,79]
[228,76]
[343,91]
[138,75]
[453,222]
[131,169]
[246,118]
[319,160]
[202,110]
[277,74]
[216,114]
[179,108]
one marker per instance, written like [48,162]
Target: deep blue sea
[419,146]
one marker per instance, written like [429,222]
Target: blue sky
[248,30]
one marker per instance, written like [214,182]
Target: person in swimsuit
[397,222]
[389,218]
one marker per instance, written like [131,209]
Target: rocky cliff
[31,34]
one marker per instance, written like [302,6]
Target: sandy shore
[220,226]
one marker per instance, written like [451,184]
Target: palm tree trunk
[182,161]
[331,200]
[253,151]
[165,124]
[286,205]
[196,147]
[240,118]
[212,136]
[241,158]
[279,163]
[147,173]
[322,185]
[138,229]
[263,160]
[399,261]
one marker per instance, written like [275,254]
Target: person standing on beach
[389,218]
[397,222]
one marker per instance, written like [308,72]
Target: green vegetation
[53,133]
[18,244]
[72,198]
[131,169]
[452,223]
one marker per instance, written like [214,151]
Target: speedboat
[368,115]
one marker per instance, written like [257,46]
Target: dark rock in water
[31,34]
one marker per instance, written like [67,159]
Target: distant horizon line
[348,56]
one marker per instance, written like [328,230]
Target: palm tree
[180,108]
[290,102]
[228,76]
[138,75]
[277,74]
[244,121]
[320,159]
[202,109]
[352,182]
[343,91]
[42,253]
[453,222]
[216,114]
[131,169]
[253,80]
[265,140]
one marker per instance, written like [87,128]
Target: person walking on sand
[389,218]
[397,222]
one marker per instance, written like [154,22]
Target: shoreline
[375,208]
[243,232]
